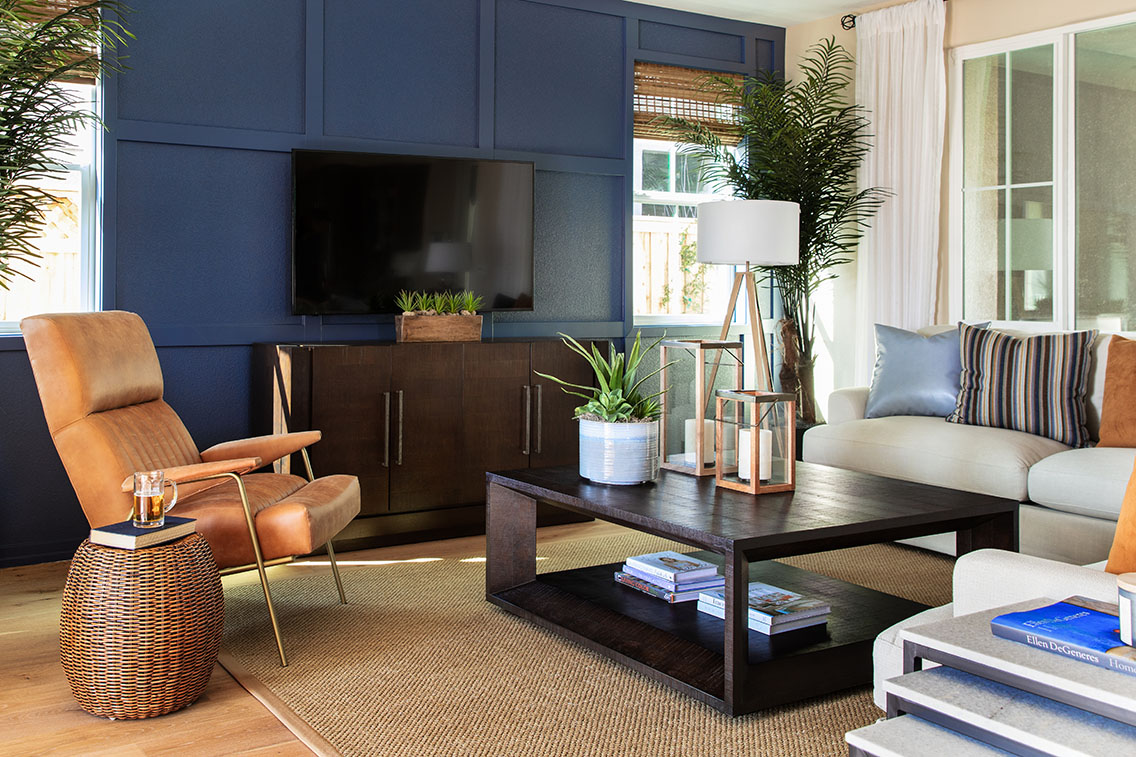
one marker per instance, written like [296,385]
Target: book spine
[1064,648]
[644,586]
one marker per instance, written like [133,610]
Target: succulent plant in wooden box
[438,317]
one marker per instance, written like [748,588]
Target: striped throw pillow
[1035,384]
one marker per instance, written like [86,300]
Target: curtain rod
[848,21]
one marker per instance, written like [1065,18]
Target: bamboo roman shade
[675,91]
[43,10]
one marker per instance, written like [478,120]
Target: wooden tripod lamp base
[756,326]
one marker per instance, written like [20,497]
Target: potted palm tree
[619,426]
[802,142]
[44,44]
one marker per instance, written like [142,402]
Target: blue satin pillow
[914,374]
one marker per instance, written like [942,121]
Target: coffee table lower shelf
[683,648]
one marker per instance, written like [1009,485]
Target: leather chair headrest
[86,363]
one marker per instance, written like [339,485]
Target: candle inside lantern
[690,447]
[764,454]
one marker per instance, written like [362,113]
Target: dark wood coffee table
[721,662]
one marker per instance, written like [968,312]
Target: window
[1043,227]
[64,280]
[670,285]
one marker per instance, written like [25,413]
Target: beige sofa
[1071,497]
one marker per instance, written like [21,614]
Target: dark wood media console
[420,424]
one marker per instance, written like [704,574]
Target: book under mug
[126,535]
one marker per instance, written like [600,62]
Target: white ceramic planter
[619,453]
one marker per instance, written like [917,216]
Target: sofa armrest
[268,448]
[989,578]
[847,404]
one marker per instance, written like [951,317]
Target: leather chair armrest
[186,473]
[268,448]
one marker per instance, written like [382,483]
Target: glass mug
[150,506]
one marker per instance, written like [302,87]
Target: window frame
[90,242]
[1064,165]
[639,196]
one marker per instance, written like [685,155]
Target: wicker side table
[140,629]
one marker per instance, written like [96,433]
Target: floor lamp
[747,233]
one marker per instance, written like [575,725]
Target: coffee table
[721,662]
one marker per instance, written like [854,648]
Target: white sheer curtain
[901,82]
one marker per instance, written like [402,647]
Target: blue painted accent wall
[196,179]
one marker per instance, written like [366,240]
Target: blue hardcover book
[1080,628]
[126,535]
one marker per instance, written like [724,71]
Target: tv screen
[365,226]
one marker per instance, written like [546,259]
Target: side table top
[969,638]
[830,507]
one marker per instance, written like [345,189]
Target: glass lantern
[700,367]
[756,432]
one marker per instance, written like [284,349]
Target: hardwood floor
[39,716]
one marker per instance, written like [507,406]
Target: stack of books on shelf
[771,610]
[670,576]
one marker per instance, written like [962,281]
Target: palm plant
[617,398]
[802,142]
[39,49]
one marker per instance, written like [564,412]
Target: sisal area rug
[419,664]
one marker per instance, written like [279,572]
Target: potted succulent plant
[619,426]
[437,317]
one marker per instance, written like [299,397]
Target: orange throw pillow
[1122,556]
[1118,410]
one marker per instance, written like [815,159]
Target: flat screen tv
[365,226]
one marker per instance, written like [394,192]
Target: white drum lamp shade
[760,232]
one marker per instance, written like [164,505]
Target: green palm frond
[37,115]
[802,142]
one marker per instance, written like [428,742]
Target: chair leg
[330,551]
[335,572]
[260,568]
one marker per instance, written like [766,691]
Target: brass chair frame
[261,564]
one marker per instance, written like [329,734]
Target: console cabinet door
[555,432]
[496,412]
[351,389]
[427,444]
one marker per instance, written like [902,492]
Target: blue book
[1080,628]
[126,535]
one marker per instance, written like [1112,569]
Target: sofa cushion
[1118,411]
[1035,384]
[1083,481]
[931,451]
[914,374]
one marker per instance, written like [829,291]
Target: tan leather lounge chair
[101,387]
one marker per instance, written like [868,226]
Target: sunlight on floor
[325,563]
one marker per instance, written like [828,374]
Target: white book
[673,566]
[765,628]
[714,582]
[773,604]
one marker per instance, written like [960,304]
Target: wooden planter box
[437,328]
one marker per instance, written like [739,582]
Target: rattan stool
[140,629]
